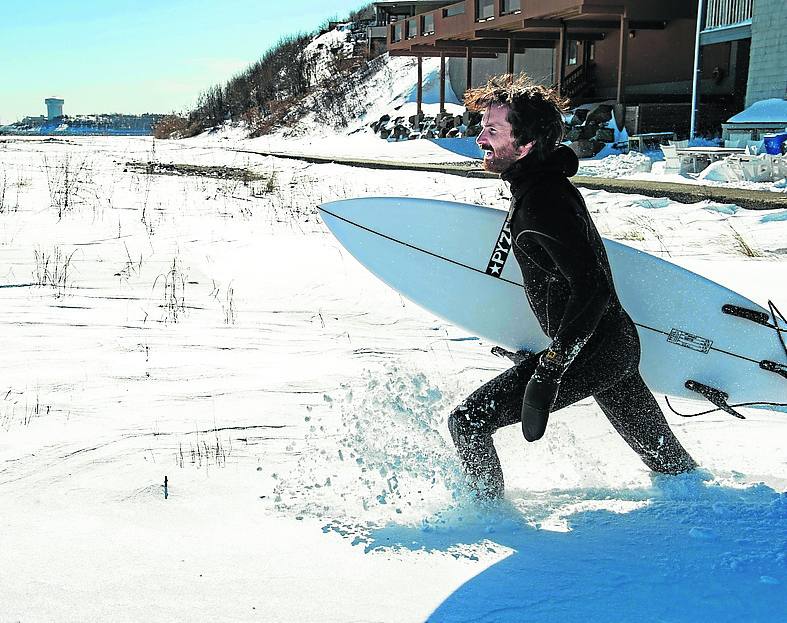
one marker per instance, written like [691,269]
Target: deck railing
[578,81]
[721,13]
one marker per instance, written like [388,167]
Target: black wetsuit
[595,347]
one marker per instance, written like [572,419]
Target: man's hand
[540,395]
[517,357]
[539,398]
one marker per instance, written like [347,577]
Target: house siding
[768,68]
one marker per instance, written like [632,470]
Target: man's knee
[459,424]
[468,422]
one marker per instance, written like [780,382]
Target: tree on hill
[265,92]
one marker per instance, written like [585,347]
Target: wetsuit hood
[528,170]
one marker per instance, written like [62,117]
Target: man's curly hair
[535,111]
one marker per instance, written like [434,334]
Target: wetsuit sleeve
[561,230]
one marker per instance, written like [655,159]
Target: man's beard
[500,161]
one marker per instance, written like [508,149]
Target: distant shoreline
[4,132]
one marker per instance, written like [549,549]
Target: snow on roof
[772,110]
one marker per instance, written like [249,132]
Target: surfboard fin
[772,366]
[765,320]
[715,396]
[747,314]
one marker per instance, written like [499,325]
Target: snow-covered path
[212,332]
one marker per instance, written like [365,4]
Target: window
[510,6]
[397,32]
[485,9]
[427,24]
[412,27]
[572,54]
[454,9]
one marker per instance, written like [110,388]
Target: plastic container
[773,143]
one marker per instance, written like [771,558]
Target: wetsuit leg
[495,404]
[633,411]
[498,403]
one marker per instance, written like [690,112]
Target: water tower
[54,107]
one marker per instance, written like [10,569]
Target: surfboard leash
[735,406]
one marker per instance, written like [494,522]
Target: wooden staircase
[578,83]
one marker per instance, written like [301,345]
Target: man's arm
[564,235]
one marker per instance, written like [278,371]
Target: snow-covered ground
[212,332]
[637,166]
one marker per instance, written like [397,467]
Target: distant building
[639,54]
[387,12]
[87,125]
[749,38]
[54,107]
[741,57]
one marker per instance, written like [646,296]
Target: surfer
[595,348]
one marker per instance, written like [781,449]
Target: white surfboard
[436,253]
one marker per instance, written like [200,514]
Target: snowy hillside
[386,85]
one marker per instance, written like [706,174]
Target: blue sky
[137,56]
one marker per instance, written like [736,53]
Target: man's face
[497,140]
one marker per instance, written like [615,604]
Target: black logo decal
[500,254]
[687,340]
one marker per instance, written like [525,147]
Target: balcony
[459,19]
[480,22]
[726,20]
[727,13]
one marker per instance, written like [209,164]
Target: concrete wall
[536,63]
[768,67]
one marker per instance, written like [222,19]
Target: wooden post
[561,56]
[622,57]
[469,68]
[511,55]
[419,98]
[696,75]
[442,82]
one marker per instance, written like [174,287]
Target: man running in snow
[595,349]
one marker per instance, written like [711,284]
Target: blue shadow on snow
[465,146]
[697,552]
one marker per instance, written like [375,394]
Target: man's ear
[524,150]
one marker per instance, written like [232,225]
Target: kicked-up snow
[197,323]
